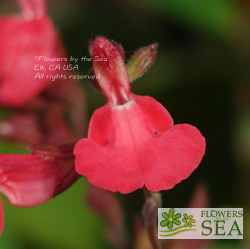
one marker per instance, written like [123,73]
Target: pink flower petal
[136,144]
[20,42]
[27,180]
[175,155]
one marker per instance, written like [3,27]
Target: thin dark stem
[150,211]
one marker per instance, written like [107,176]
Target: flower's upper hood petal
[110,69]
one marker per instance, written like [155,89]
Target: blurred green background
[201,75]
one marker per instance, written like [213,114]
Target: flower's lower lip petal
[1,216]
[161,164]
[175,155]
[107,167]
[123,153]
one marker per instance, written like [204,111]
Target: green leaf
[12,148]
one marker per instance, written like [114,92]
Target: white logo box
[200,223]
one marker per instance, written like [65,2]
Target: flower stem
[150,211]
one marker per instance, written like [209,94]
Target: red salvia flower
[29,180]
[22,38]
[132,141]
